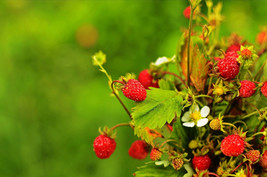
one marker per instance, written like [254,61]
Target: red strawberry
[229,67]
[201,162]
[147,80]
[187,12]
[138,150]
[264,89]
[104,146]
[263,160]
[155,154]
[262,37]
[134,90]
[247,88]
[233,47]
[232,145]
[253,155]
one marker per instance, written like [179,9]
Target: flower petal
[205,111]
[161,61]
[202,122]
[195,108]
[186,117]
[189,124]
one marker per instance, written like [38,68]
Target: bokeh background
[52,100]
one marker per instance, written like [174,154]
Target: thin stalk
[188,45]
[236,167]
[178,77]
[200,96]
[120,125]
[248,115]
[117,96]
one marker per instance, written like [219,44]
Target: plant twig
[117,96]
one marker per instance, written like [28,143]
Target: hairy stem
[117,96]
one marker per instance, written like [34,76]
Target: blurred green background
[53,100]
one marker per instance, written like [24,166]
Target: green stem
[188,45]
[232,125]
[248,115]
[207,96]
[117,96]
[120,125]
[175,75]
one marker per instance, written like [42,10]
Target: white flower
[161,61]
[195,117]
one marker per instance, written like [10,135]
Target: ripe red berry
[233,47]
[134,90]
[232,145]
[229,67]
[253,155]
[264,89]
[263,160]
[247,88]
[138,150]
[147,80]
[201,162]
[155,154]
[262,37]
[187,12]
[104,146]
[262,137]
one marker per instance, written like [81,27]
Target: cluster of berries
[222,146]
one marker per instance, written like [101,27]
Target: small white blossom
[195,116]
[161,61]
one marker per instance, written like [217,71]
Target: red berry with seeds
[155,154]
[201,162]
[263,160]
[253,155]
[233,47]
[134,90]
[147,80]
[187,12]
[247,89]
[229,67]
[264,89]
[138,150]
[232,145]
[104,146]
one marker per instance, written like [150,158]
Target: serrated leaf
[199,71]
[182,134]
[99,58]
[166,84]
[159,107]
[151,170]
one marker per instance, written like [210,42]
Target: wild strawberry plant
[202,112]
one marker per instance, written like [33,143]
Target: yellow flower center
[195,116]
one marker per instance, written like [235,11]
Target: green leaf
[151,170]
[182,134]
[159,107]
[220,108]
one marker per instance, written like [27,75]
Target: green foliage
[149,113]
[151,170]
[220,108]
[182,134]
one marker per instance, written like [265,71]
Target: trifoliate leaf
[99,58]
[159,107]
[152,170]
